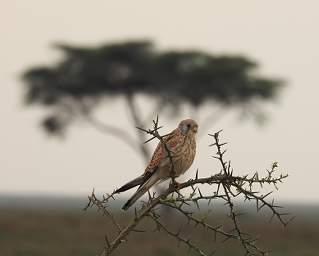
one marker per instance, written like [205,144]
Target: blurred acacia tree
[86,77]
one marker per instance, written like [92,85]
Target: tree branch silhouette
[115,131]
[137,122]
[225,187]
[170,79]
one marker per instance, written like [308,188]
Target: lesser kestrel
[181,145]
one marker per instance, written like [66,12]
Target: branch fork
[225,186]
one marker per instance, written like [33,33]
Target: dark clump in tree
[87,76]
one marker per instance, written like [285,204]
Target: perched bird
[181,145]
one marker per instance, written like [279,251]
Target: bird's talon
[175,185]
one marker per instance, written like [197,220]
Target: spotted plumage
[181,145]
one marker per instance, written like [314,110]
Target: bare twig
[160,226]
[155,134]
[232,186]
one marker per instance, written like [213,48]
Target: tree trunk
[135,113]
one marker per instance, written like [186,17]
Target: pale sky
[281,35]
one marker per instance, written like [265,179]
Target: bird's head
[188,127]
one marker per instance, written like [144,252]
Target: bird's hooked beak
[195,128]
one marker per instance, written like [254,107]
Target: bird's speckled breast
[188,155]
[184,157]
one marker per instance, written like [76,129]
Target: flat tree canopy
[88,75]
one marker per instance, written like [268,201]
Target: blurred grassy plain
[56,226]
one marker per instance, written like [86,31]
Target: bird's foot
[175,185]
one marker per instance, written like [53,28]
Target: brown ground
[26,232]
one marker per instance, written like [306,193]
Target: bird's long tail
[141,191]
[133,183]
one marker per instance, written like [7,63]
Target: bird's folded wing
[171,141]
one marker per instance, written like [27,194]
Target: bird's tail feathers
[141,191]
[133,183]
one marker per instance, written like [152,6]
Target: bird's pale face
[188,127]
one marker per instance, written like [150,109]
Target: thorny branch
[155,134]
[160,226]
[226,187]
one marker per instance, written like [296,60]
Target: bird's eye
[188,126]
